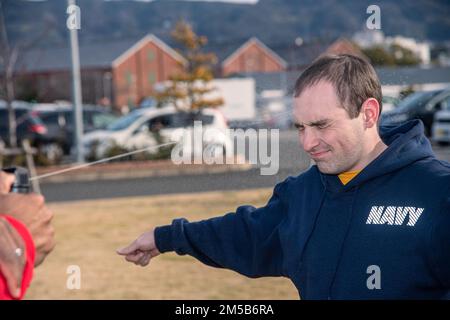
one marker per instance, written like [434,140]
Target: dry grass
[89,232]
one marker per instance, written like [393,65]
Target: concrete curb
[139,169]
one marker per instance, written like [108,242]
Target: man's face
[333,140]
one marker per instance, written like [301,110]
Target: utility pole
[73,24]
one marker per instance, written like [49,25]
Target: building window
[151,77]
[129,77]
[130,102]
[150,55]
[250,64]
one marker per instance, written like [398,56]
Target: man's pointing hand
[141,250]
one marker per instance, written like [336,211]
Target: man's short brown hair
[353,78]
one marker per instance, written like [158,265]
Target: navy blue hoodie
[383,235]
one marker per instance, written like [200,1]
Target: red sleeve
[29,265]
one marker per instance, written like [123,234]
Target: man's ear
[370,112]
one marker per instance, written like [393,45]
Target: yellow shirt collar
[345,177]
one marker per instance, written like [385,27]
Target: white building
[420,49]
[369,38]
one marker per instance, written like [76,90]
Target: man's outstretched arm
[246,241]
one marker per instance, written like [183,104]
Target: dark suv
[29,126]
[419,105]
[59,122]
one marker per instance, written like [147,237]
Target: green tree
[403,56]
[379,57]
[394,56]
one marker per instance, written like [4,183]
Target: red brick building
[252,56]
[122,71]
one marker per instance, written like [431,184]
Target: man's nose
[309,139]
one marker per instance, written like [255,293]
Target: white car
[441,127]
[137,131]
[389,103]
[440,130]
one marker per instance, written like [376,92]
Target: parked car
[28,126]
[419,105]
[441,124]
[60,122]
[136,130]
[256,123]
[389,103]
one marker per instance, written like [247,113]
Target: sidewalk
[137,169]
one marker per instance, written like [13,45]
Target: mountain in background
[275,22]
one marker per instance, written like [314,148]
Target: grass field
[89,232]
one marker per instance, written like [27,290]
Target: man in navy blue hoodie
[370,220]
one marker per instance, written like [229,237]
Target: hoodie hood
[406,143]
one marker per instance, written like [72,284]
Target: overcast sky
[233,1]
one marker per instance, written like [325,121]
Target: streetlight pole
[76,89]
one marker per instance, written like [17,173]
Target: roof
[290,55]
[150,38]
[257,42]
[97,55]
[106,54]
[403,76]
[223,50]
[413,75]
[299,56]
[92,55]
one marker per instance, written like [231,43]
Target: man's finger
[144,257]
[134,257]
[128,250]
[145,260]
[6,181]
[11,281]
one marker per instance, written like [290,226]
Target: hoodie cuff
[163,238]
